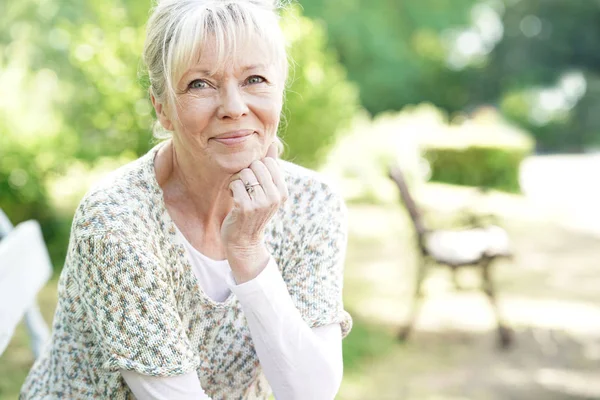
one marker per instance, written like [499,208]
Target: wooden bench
[25,268]
[476,246]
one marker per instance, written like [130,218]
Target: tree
[395,51]
[320,102]
[401,53]
[545,44]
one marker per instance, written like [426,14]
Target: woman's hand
[242,231]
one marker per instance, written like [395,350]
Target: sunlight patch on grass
[366,221]
[585,385]
[472,311]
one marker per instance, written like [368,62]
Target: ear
[161,114]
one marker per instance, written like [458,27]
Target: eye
[255,79]
[198,84]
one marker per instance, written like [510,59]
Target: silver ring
[250,187]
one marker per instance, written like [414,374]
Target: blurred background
[490,107]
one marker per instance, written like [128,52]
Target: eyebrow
[244,69]
[254,66]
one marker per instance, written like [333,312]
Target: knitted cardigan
[127,296]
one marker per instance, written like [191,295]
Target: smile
[233,138]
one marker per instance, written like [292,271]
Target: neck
[198,194]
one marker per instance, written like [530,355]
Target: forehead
[218,58]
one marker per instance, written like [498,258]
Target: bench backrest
[24,269]
[395,173]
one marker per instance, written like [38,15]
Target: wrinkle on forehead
[213,61]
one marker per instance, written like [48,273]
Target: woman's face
[228,119]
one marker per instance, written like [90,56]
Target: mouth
[233,138]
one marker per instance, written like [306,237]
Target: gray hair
[176,31]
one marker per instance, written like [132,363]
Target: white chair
[24,269]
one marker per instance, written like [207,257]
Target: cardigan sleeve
[314,263]
[130,306]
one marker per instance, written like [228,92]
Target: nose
[232,104]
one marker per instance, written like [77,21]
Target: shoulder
[120,202]
[312,196]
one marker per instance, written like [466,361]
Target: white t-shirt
[211,274]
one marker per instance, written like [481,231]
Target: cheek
[268,110]
[195,114]
[271,117]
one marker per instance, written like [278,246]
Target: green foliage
[484,152]
[404,52]
[487,167]
[70,92]
[320,103]
[360,160]
[395,50]
[109,111]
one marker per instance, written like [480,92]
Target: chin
[235,162]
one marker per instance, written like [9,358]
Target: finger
[240,195]
[277,176]
[265,179]
[236,177]
[248,176]
[272,150]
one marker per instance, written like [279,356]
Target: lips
[234,137]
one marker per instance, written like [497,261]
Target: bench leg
[417,300]
[37,328]
[504,333]
[455,282]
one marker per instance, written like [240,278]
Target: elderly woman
[207,268]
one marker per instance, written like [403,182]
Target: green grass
[364,345]
[17,359]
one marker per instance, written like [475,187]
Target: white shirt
[299,362]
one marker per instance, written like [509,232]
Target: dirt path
[544,364]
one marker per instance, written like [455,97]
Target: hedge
[489,167]
[483,150]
